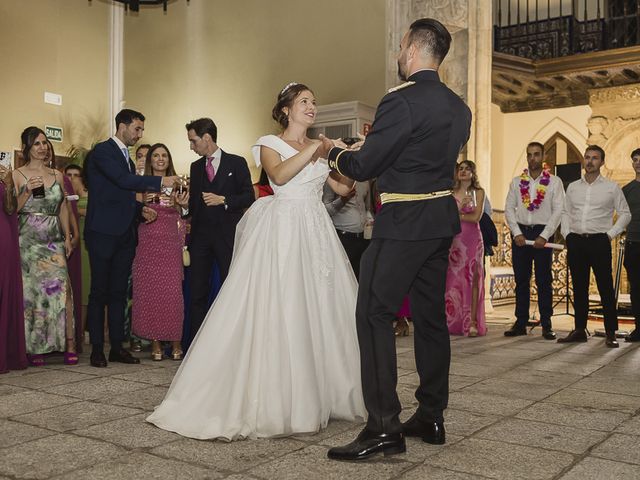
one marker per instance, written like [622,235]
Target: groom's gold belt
[412,197]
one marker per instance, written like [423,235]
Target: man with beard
[587,226]
[111,231]
[533,210]
[419,129]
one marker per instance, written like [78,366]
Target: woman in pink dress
[464,297]
[158,304]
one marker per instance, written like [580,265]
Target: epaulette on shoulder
[400,87]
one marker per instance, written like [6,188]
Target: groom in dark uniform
[221,189]
[419,129]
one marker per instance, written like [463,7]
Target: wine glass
[469,202]
[183,183]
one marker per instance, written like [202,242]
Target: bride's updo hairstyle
[285,99]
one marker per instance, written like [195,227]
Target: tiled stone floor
[519,408]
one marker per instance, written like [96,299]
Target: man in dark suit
[419,129]
[220,190]
[111,229]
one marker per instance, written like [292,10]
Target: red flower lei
[541,189]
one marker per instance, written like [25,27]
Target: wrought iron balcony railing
[538,29]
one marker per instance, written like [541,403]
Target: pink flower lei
[541,189]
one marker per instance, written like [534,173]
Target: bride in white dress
[277,353]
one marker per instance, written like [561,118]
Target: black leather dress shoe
[97,359]
[548,333]
[633,336]
[429,432]
[611,341]
[515,331]
[368,444]
[574,336]
[122,356]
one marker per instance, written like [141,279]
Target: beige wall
[59,46]
[228,59]
[511,132]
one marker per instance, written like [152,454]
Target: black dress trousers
[389,270]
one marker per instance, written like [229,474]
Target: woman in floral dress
[45,245]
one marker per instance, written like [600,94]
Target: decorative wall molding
[622,93]
[615,126]
[521,84]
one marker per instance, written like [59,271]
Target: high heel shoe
[473,331]
[176,355]
[70,357]
[156,351]
[402,327]
[36,360]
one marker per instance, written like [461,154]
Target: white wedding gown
[277,353]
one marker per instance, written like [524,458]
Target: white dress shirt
[588,208]
[122,146]
[215,161]
[549,213]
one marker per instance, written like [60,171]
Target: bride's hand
[358,145]
[323,150]
[340,144]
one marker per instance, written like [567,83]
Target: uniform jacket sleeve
[392,129]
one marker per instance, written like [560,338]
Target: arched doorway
[559,151]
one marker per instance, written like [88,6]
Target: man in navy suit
[111,231]
[220,190]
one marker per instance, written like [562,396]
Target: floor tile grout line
[12,417]
[589,453]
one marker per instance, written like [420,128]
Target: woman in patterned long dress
[12,348]
[464,297]
[45,245]
[74,262]
[158,304]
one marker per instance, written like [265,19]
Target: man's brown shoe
[574,337]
